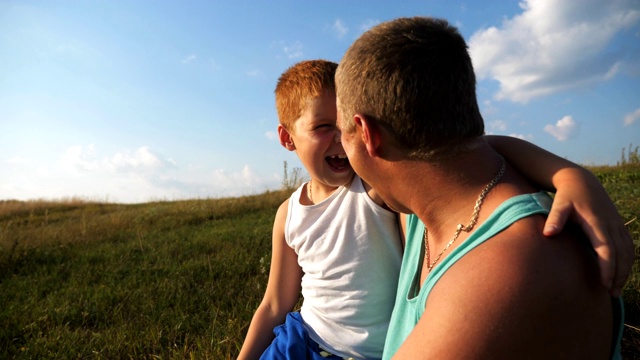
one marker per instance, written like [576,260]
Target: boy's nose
[338,137]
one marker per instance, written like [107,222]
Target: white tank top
[350,251]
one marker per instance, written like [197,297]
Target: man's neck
[445,192]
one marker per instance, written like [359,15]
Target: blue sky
[132,101]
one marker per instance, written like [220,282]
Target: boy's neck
[316,192]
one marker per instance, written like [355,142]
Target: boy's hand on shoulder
[587,203]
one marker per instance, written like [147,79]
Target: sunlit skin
[354,150]
[346,140]
[315,138]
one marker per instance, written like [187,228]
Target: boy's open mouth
[338,162]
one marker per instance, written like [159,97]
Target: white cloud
[79,158]
[339,28]
[253,73]
[293,51]
[189,58]
[19,160]
[142,159]
[127,176]
[85,159]
[527,137]
[246,179]
[564,129]
[632,118]
[498,125]
[271,135]
[553,46]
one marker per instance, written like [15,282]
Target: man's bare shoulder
[526,290]
[522,255]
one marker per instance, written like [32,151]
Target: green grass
[623,186]
[157,281]
[166,280]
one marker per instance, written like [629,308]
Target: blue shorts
[292,342]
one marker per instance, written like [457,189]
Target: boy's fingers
[557,217]
[615,260]
[610,247]
[606,255]
[626,257]
[610,239]
[607,264]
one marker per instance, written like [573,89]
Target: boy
[334,262]
[334,239]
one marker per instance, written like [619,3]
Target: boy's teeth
[338,161]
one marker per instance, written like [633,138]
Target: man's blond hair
[414,78]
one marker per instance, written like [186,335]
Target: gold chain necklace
[460,227]
[309,191]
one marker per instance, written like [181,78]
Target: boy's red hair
[299,84]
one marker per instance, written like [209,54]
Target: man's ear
[370,133]
[285,138]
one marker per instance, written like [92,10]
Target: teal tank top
[410,306]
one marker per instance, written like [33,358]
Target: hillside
[166,279]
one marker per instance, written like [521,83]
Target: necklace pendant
[460,227]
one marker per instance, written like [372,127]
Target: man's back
[515,294]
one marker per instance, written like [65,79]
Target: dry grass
[167,280]
[171,280]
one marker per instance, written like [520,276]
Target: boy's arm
[580,195]
[281,295]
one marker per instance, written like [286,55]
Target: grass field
[167,280]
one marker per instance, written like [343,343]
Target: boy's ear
[370,133]
[285,138]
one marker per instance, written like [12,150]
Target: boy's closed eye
[321,126]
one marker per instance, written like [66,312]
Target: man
[479,280]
